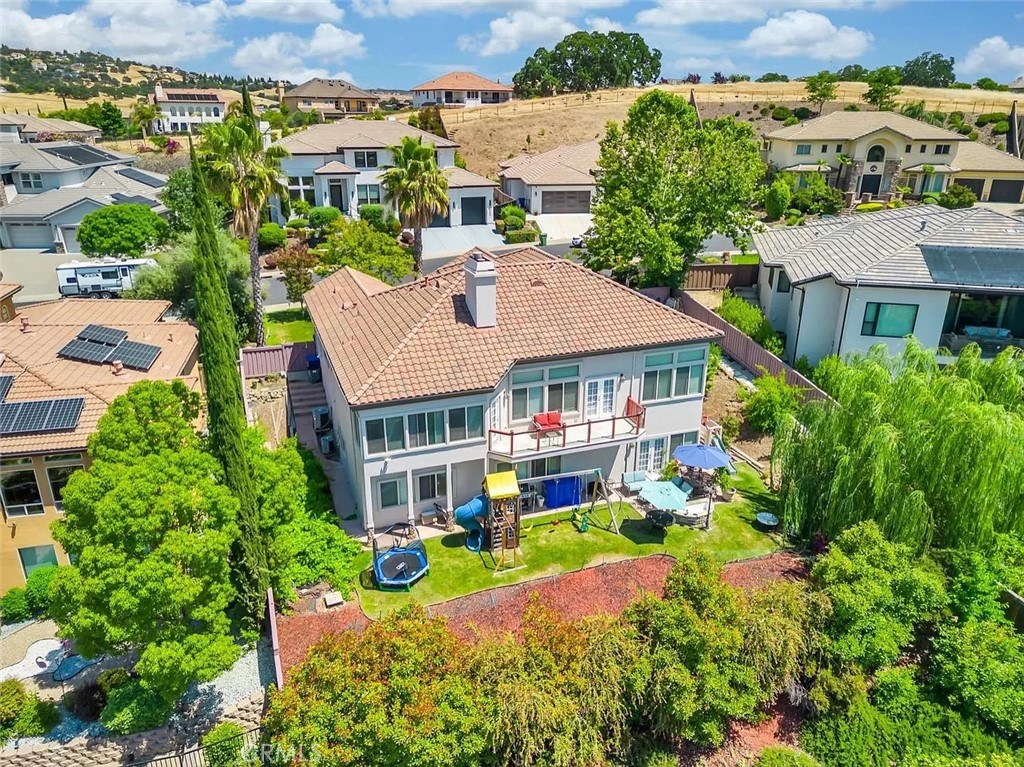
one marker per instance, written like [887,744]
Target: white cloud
[683,12]
[703,65]
[283,55]
[802,33]
[508,33]
[991,55]
[603,24]
[405,8]
[297,11]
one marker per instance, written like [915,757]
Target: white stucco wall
[52,179]
[928,328]
[816,325]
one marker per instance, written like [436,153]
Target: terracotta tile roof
[853,125]
[460,177]
[462,81]
[326,138]
[318,87]
[335,167]
[975,156]
[563,165]
[417,340]
[8,289]
[31,357]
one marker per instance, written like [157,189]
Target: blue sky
[400,43]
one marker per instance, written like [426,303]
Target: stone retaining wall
[129,749]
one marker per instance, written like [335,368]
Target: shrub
[802,200]
[1003,126]
[973,135]
[730,428]
[24,715]
[776,198]
[863,736]
[781,113]
[525,234]
[37,589]
[514,217]
[749,320]
[714,360]
[159,141]
[851,108]
[791,120]
[780,756]
[14,606]
[869,207]
[957,196]
[86,702]
[297,223]
[380,218]
[320,218]
[803,113]
[300,207]
[134,708]
[991,117]
[12,700]
[223,744]
[771,404]
[113,678]
[272,236]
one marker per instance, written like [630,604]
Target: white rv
[100,278]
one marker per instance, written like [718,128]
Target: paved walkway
[441,240]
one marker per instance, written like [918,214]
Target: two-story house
[335,99]
[946,277]
[460,89]
[435,383]
[187,110]
[49,187]
[340,164]
[875,152]
[28,128]
[52,397]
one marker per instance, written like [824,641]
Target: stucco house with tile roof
[339,164]
[460,89]
[43,444]
[30,129]
[947,277]
[335,99]
[434,383]
[873,152]
[560,180]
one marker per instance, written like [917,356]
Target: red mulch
[755,573]
[297,633]
[744,741]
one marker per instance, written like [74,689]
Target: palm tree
[142,116]
[416,188]
[246,174]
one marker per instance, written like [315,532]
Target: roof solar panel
[65,414]
[123,199]
[5,386]
[143,178]
[31,416]
[103,334]
[79,154]
[135,355]
[84,351]
[8,412]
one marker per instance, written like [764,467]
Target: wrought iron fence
[245,750]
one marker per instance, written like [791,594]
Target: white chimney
[158,91]
[482,290]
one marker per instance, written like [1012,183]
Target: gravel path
[19,636]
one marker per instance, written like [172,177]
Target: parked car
[578,242]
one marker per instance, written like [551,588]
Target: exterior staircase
[303,396]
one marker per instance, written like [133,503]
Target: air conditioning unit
[327,444]
[321,419]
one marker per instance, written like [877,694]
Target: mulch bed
[297,633]
[744,741]
[759,572]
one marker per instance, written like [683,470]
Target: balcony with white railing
[539,439]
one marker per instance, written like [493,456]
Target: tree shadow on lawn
[642,532]
[287,315]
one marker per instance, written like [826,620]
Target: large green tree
[664,185]
[821,87]
[177,196]
[360,246]
[121,230]
[218,351]
[416,188]
[853,73]
[929,70]
[883,88]
[245,174]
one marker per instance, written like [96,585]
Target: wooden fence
[746,351]
[260,361]
[721,276]
[1015,609]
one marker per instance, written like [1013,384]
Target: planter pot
[726,495]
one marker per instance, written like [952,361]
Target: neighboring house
[1017,86]
[435,383]
[186,110]
[992,175]
[340,164]
[460,89]
[333,98]
[558,181]
[29,129]
[881,149]
[844,284]
[38,65]
[42,445]
[48,189]
[8,290]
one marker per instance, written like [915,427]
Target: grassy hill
[491,134]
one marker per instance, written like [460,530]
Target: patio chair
[633,481]
[547,423]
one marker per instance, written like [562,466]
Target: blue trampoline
[403,561]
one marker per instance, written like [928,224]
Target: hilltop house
[873,152]
[434,383]
[340,164]
[51,399]
[20,129]
[333,98]
[186,110]
[49,187]
[558,181]
[947,277]
[460,89]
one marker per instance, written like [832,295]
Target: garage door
[30,235]
[474,210]
[976,185]
[439,220]
[71,239]
[1006,191]
[565,202]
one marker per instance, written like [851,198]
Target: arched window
[876,153]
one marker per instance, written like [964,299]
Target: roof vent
[117,367]
[968,228]
[536,282]
[24,325]
[924,224]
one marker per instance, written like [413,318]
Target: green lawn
[551,544]
[734,258]
[288,326]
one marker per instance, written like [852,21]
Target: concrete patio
[562,227]
[443,241]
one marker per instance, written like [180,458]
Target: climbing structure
[602,493]
[504,513]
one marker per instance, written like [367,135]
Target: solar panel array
[34,416]
[5,386]
[98,344]
[124,199]
[192,97]
[143,178]
[79,154]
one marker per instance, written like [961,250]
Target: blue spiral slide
[468,517]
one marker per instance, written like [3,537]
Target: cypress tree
[218,351]
[247,108]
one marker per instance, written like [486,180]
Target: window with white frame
[368,194]
[669,374]
[19,490]
[36,557]
[431,485]
[465,423]
[58,474]
[426,428]
[564,389]
[31,180]
[803,148]
[600,400]
[652,454]
[392,492]
[538,391]
[685,438]
[472,94]
[527,394]
[536,469]
[301,188]
[889,320]
[942,148]
[384,435]
[366,159]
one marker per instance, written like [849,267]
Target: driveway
[1006,208]
[35,269]
[562,227]
[445,240]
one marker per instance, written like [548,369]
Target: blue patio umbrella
[701,456]
[664,495]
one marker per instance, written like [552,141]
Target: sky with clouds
[400,43]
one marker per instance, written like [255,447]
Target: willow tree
[934,455]
[218,350]
[416,188]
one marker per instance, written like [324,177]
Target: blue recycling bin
[313,368]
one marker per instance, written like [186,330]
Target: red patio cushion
[545,421]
